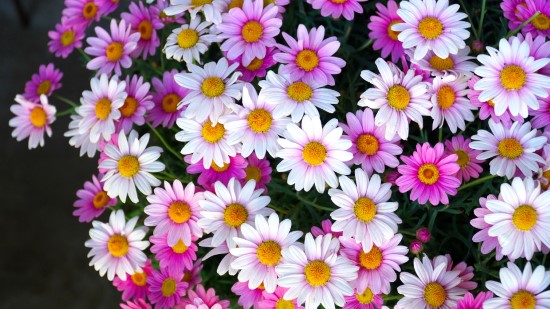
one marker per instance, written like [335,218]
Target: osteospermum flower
[457,64]
[471,302]
[129,165]
[399,97]
[310,57]
[235,168]
[488,243]
[538,48]
[316,274]
[135,287]
[160,5]
[276,300]
[541,117]
[137,103]
[511,12]
[314,154]
[193,276]
[81,13]
[487,108]
[365,213]
[64,39]
[465,272]
[258,170]
[143,20]
[80,140]
[257,67]
[450,104]
[259,250]
[248,298]
[324,229]
[433,287]
[521,218]
[112,51]
[429,174]
[211,89]
[212,9]
[519,289]
[338,8]
[509,78]
[540,25]
[32,120]
[117,246]
[431,25]
[92,201]
[513,148]
[190,41]
[137,304]
[43,83]
[166,288]
[166,97]
[467,157]
[365,300]
[208,298]
[174,211]
[385,39]
[177,258]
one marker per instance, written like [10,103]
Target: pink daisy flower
[369,147]
[166,97]
[136,286]
[541,116]
[248,297]
[326,228]
[158,9]
[106,7]
[338,8]
[467,157]
[539,48]
[112,51]
[429,174]
[137,304]
[64,39]
[465,272]
[137,103]
[92,200]
[193,276]
[207,297]
[177,258]
[487,108]
[43,83]
[208,176]
[384,37]
[310,57]
[488,243]
[469,302]
[275,300]
[365,300]
[257,67]
[450,104]
[146,21]
[166,288]
[541,24]
[174,211]
[81,13]
[258,170]
[32,120]
[511,12]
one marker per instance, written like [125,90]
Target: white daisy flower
[117,246]
[80,140]
[189,41]
[313,154]
[450,103]
[458,64]
[258,251]
[32,120]
[226,262]
[212,9]
[129,165]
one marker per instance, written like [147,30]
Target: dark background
[43,261]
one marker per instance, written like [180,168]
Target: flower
[399,97]
[32,120]
[316,274]
[385,39]
[511,12]
[513,148]
[174,211]
[177,258]
[431,25]
[137,304]
[509,78]
[519,289]
[190,41]
[429,174]
[136,286]
[64,39]
[258,67]
[541,117]
[469,302]
[117,246]
[92,200]
[166,19]
[212,9]
[137,103]
[488,243]
[81,13]
[326,228]
[313,154]
[450,104]
[143,20]
[457,64]
[208,297]
[167,97]
[225,265]
[43,83]
[416,246]
[80,140]
[365,300]
[487,109]
[248,297]
[275,300]
[423,234]
[166,288]
[258,170]
[106,7]
[309,59]
[209,176]
[338,8]
[538,49]
[364,211]
[112,51]
[467,157]
[129,165]
[540,25]
[465,272]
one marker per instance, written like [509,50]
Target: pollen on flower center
[284,304]
[299,91]
[366,297]
[398,97]
[367,144]
[128,166]
[513,77]
[188,38]
[371,259]
[100,199]
[252,31]
[67,38]
[269,253]
[338,1]
[235,215]
[463,158]
[179,212]
[89,10]
[212,134]
[428,173]
[145,29]
[523,300]
[235,4]
[317,273]
[441,64]
[430,28]
[446,97]
[541,22]
[434,294]
[391,33]
[38,117]
[114,51]
[314,153]
[364,209]
[259,120]
[117,245]
[524,218]
[510,148]
[253,172]
[129,107]
[196,3]
[139,278]
[213,87]
[179,247]
[307,60]
[255,64]
[170,102]
[44,87]
[491,103]
[168,287]
[218,168]
[103,108]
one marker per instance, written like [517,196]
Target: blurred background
[43,260]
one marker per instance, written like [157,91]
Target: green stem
[483,11]
[476,182]
[313,204]
[84,54]
[65,112]
[65,100]
[440,134]
[166,176]
[518,29]
[163,141]
[367,44]
[469,18]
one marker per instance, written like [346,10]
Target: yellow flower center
[367,144]
[434,294]
[284,304]
[512,77]
[89,10]
[235,4]
[219,169]
[398,97]
[212,134]
[546,174]
[491,103]
[391,33]
[365,298]
[269,253]
[179,247]
[259,120]
[117,245]
[213,87]
[67,38]
[463,158]
[128,166]
[145,29]
[129,107]
[428,174]
[179,212]
[139,279]
[441,64]
[299,91]
[446,97]
[338,1]
[196,3]
[188,38]
[170,102]
[253,172]
[100,199]
[372,259]
[187,276]
[314,153]
[268,2]
[114,51]
[44,87]
[38,117]
[252,31]
[541,22]
[307,60]
[523,300]
[525,218]
[168,287]
[364,209]
[317,273]
[510,148]
[255,64]
[103,108]
[430,28]
[235,215]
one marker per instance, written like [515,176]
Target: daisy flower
[337,8]
[117,246]
[80,140]
[433,287]
[159,7]
[32,120]
[249,30]
[193,276]
[257,67]
[43,83]
[106,7]
[520,219]
[248,297]
[81,13]
[137,304]
[137,103]
[316,274]
[325,228]
[100,107]
[511,12]
[377,265]
[365,300]
[465,272]
[429,174]
[488,243]
[92,201]
[400,97]
[212,9]
[166,97]
[229,207]
[314,154]
[541,117]
[143,20]
[509,78]
[166,288]
[258,170]
[224,265]
[538,48]
[209,176]
[385,39]
[177,258]
[457,64]
[255,126]
[190,41]
[541,24]
[111,52]
[309,59]
[174,211]
[364,211]
[259,250]
[431,25]
[64,39]
[208,297]
[130,165]
[369,147]
[297,97]
[276,300]
[450,104]
[513,148]
[471,302]
[210,90]
[519,289]
[136,286]
[487,108]
[467,157]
